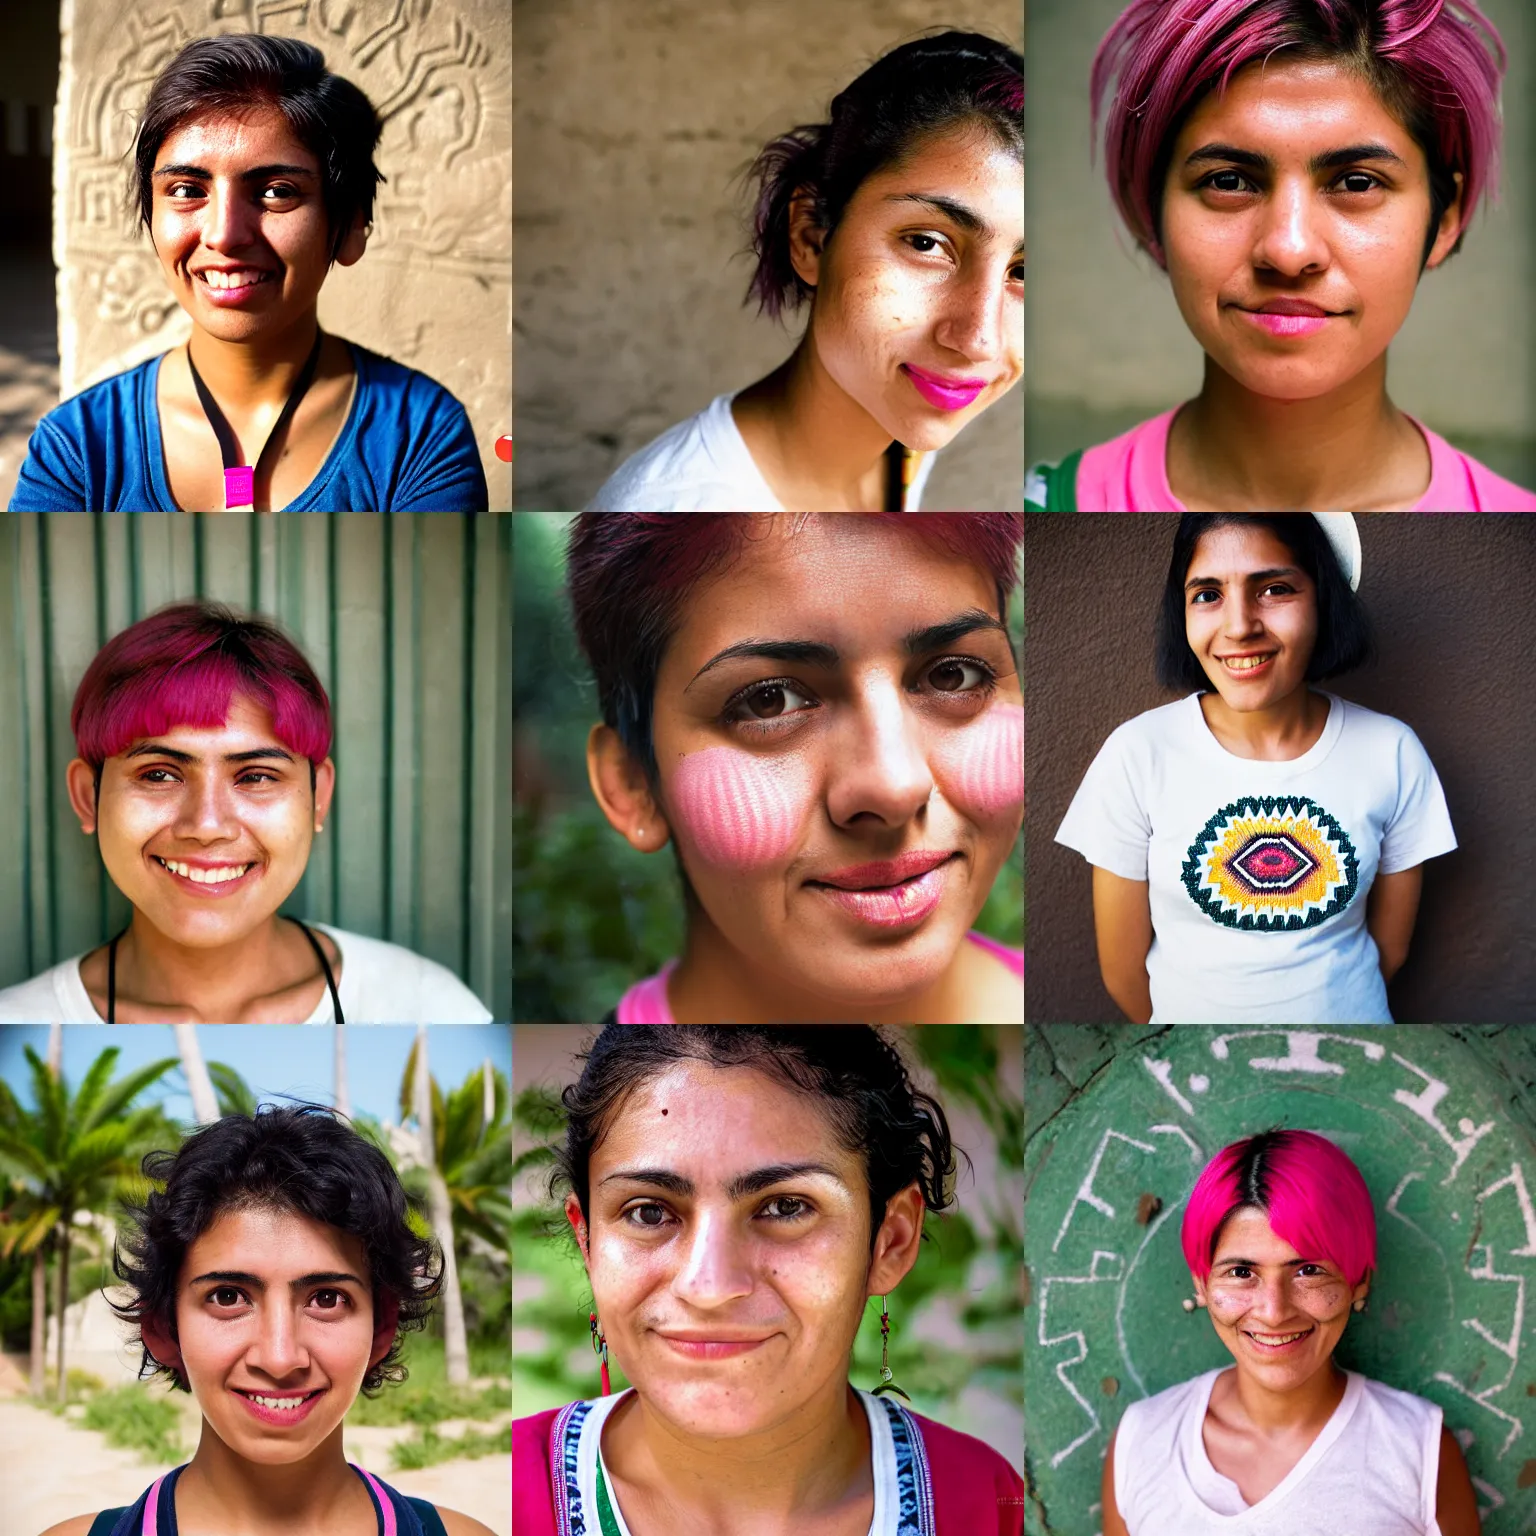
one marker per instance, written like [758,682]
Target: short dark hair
[302,1158]
[1344,638]
[917,90]
[854,1070]
[330,116]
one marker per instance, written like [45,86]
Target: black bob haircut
[853,1070]
[915,92]
[302,1158]
[238,71]
[1344,639]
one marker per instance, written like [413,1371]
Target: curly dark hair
[302,1158]
[859,1076]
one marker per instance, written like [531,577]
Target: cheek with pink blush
[740,811]
[982,768]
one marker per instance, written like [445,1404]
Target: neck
[1349,448]
[826,450]
[716,981]
[1305,1407]
[244,376]
[223,1491]
[790,1473]
[213,984]
[1279,733]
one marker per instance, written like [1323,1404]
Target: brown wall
[1452,599]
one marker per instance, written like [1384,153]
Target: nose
[231,222]
[1290,236]
[206,813]
[1272,1305]
[974,317]
[881,770]
[278,1351]
[713,1272]
[1241,614]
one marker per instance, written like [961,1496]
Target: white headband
[1341,532]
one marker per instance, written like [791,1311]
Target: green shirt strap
[1053,487]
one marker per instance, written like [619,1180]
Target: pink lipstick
[946,392]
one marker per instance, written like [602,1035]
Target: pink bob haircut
[183,665]
[629,575]
[1435,64]
[1312,1193]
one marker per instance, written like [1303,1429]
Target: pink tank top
[646,1001]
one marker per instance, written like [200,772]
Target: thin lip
[1252,1333]
[868,877]
[259,1392]
[244,266]
[1295,307]
[1248,655]
[716,1338]
[178,858]
[945,381]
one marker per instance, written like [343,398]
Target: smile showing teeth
[1274,1340]
[279,1403]
[1246,663]
[203,876]
[233,279]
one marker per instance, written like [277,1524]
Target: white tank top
[1371,1472]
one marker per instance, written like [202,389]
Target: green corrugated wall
[406,619]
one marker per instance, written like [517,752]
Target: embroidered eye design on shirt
[1271,864]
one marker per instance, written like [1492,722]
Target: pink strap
[152,1507]
[385,1502]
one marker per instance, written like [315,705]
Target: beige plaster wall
[1107,345]
[434,290]
[634,122]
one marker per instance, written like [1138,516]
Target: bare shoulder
[76,1525]
[456,1524]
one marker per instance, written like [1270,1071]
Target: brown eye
[768,703]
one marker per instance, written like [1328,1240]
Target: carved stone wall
[434,290]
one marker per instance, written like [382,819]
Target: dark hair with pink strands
[1314,1196]
[183,665]
[914,92]
[1436,66]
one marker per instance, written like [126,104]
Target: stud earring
[1360,1304]
[1191,1302]
[600,1349]
[887,1381]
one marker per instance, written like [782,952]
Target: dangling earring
[600,1349]
[887,1381]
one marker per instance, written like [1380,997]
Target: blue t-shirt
[406,446]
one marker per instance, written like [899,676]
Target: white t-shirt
[380,983]
[1258,872]
[704,465]
[1371,1471]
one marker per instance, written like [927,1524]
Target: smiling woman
[205,775]
[900,221]
[823,714]
[1295,167]
[254,175]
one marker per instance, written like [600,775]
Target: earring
[1191,1302]
[600,1349]
[1360,1304]
[887,1381]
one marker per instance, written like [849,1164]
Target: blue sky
[294,1059]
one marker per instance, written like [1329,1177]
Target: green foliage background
[979,1260]
[590,915]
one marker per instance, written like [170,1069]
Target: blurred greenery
[426,1447]
[590,915]
[137,1418]
[973,1264]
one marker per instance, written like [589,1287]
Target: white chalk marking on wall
[1085,1194]
[1301,1051]
[1125,1285]
[1516,1179]
[1162,1073]
[1074,1336]
[1434,1246]
[1184,1136]
[1424,1103]
[1199,1082]
[1510,1347]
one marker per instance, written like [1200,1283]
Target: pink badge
[239,487]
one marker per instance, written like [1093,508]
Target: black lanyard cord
[239,481]
[325,965]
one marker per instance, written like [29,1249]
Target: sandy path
[51,1470]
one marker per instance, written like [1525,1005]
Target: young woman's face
[257,206]
[887,724]
[207,832]
[702,1232]
[921,286]
[1280,1312]
[1250,615]
[1295,211]
[273,1305]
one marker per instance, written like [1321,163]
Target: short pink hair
[183,665]
[1437,65]
[1313,1194]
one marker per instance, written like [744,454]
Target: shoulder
[694,466]
[382,378]
[955,1451]
[115,397]
[396,985]
[1400,1404]
[1380,731]
[1163,1410]
[1152,727]
[76,1525]
[41,998]
[455,1524]
[1459,483]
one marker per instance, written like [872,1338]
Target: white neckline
[1354,1388]
[1333,728]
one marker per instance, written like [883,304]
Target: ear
[325,787]
[80,778]
[897,1241]
[578,1226]
[355,244]
[807,240]
[620,789]
[1200,1297]
[163,1349]
[1450,228]
[386,1321]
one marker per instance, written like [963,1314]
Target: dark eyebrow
[1331,161]
[739,1188]
[815,653]
[256,173]
[243,1277]
[153,749]
[1269,575]
[957,213]
[1254,1263]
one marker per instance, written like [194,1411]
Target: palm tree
[205,1104]
[342,1101]
[70,1154]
